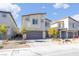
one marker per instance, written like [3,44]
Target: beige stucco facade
[27,22]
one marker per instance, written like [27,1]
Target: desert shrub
[1,46]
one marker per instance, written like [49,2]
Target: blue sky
[54,11]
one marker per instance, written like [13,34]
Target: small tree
[23,31]
[53,32]
[3,30]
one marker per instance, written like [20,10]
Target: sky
[55,11]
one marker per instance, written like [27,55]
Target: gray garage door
[63,34]
[34,35]
[70,34]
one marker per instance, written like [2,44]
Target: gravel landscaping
[38,48]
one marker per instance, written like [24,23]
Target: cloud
[76,17]
[61,5]
[13,8]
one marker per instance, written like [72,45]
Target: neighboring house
[7,19]
[68,27]
[36,24]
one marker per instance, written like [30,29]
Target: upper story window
[46,24]
[4,15]
[8,26]
[34,21]
[73,25]
[61,24]
[42,20]
[27,18]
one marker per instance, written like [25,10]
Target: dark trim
[34,14]
[48,19]
[64,18]
[73,19]
[10,15]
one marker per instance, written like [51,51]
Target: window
[59,25]
[8,26]
[3,15]
[34,21]
[62,24]
[42,20]
[27,18]
[46,24]
[73,25]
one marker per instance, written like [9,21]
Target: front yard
[40,48]
[31,43]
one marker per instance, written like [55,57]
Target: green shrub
[1,46]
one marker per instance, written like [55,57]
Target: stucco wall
[68,24]
[59,25]
[54,25]
[76,25]
[41,22]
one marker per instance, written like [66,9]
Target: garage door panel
[34,35]
[63,34]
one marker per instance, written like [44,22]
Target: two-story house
[7,19]
[68,27]
[36,24]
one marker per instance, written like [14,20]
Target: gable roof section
[35,14]
[73,19]
[10,15]
[48,19]
[64,18]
